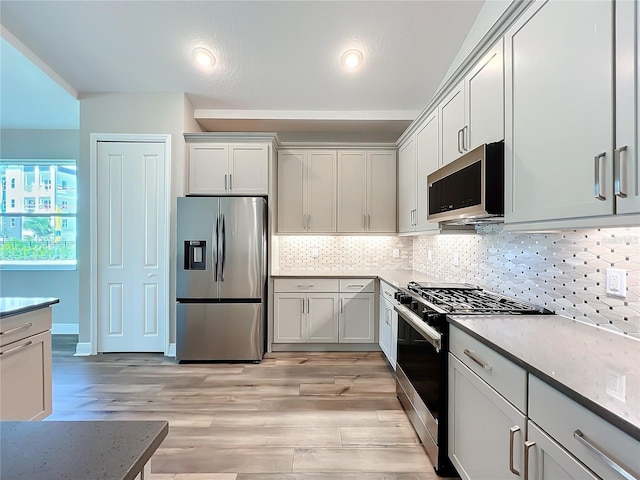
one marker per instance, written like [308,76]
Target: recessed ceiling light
[352,59]
[204,57]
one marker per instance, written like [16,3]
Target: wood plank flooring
[294,416]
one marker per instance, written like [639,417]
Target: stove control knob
[403,298]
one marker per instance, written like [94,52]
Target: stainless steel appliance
[469,190]
[221,279]
[421,369]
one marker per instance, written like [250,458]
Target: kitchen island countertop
[16,305]
[78,450]
[581,360]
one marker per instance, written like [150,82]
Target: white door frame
[93,158]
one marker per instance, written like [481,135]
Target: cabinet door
[393,346]
[321,191]
[451,111]
[427,162]
[357,318]
[407,187]
[208,169]
[25,370]
[479,423]
[381,191]
[559,112]
[627,106]
[549,461]
[291,187]
[322,317]
[384,326]
[352,191]
[249,169]
[484,90]
[288,318]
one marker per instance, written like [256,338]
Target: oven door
[421,381]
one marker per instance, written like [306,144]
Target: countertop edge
[138,466]
[30,308]
[599,410]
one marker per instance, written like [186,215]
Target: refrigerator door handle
[215,249]
[223,241]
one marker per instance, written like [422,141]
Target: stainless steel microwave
[469,190]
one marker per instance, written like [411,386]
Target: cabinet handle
[308,221]
[17,348]
[512,434]
[388,294]
[231,181]
[599,451]
[465,138]
[225,182]
[527,446]
[617,178]
[364,220]
[597,189]
[303,306]
[355,285]
[368,221]
[308,306]
[341,309]
[15,329]
[472,356]
[460,141]
[302,285]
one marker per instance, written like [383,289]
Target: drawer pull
[473,357]
[26,344]
[355,285]
[578,435]
[15,329]
[388,294]
[512,434]
[527,447]
[301,285]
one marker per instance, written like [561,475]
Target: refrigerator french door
[221,279]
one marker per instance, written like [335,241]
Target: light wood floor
[295,416]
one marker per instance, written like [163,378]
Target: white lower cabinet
[547,460]
[312,310]
[485,430]
[388,324]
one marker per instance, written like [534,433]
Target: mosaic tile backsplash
[564,272]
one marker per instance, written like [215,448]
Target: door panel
[427,163]
[243,245]
[322,317]
[249,170]
[197,222]
[451,122]
[321,191]
[406,187]
[288,318]
[352,188]
[219,331]
[208,168]
[356,318]
[381,192]
[132,298]
[291,201]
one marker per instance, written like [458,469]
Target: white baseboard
[172,350]
[83,349]
[64,329]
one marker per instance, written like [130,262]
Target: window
[40,230]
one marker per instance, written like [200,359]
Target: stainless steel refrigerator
[221,279]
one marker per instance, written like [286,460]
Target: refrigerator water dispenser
[195,255]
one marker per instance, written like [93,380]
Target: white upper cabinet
[427,163]
[473,112]
[367,191]
[228,169]
[626,171]
[407,186]
[559,108]
[307,181]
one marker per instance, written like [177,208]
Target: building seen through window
[38,213]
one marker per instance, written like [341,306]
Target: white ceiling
[277,61]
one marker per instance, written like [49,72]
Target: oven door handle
[429,333]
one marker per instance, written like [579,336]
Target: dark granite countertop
[17,305]
[78,450]
[595,367]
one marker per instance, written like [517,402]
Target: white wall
[135,113]
[63,284]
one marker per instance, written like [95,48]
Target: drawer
[354,285]
[17,327]
[388,292]
[305,284]
[561,417]
[506,377]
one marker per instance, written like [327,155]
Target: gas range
[433,301]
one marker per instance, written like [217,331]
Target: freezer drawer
[220,332]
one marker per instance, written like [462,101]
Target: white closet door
[132,281]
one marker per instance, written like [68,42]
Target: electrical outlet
[616,282]
[429,255]
[314,253]
[396,253]
[456,259]
[616,385]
